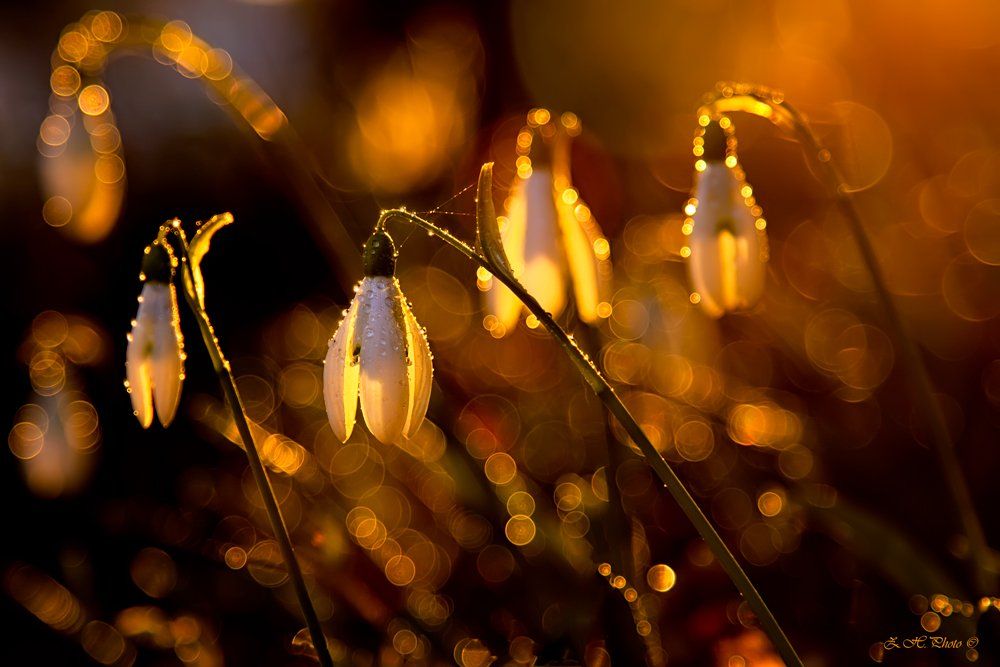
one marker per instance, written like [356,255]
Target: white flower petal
[751,265]
[580,232]
[500,301]
[140,387]
[726,267]
[385,387]
[705,273]
[421,371]
[543,275]
[167,363]
[341,374]
[579,237]
[502,304]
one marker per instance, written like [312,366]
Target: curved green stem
[613,403]
[772,106]
[278,527]
[173,43]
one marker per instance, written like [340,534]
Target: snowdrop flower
[380,353]
[547,230]
[154,359]
[728,245]
[82,196]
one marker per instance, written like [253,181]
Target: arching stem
[251,108]
[746,98]
[278,526]
[613,403]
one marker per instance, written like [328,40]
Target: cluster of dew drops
[363,308]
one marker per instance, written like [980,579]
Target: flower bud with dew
[378,353]
[154,358]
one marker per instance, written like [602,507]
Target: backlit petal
[167,363]
[385,387]
[421,371]
[137,370]
[750,254]
[728,264]
[341,374]
[580,233]
[543,271]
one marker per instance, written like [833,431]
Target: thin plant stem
[618,525]
[619,531]
[771,105]
[232,394]
[613,403]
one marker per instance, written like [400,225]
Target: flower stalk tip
[716,143]
[379,256]
[158,263]
[489,241]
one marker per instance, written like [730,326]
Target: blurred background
[484,536]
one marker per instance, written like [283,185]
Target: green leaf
[198,248]
[488,241]
[901,561]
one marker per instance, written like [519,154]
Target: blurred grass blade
[198,248]
[907,565]
[488,241]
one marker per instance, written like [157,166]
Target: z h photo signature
[929,642]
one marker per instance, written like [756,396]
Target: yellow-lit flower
[728,245]
[154,359]
[380,353]
[548,228]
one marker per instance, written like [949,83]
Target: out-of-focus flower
[728,245]
[379,351]
[416,113]
[548,228]
[154,359]
[81,169]
[56,439]
[749,648]
[56,436]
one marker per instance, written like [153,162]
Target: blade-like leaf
[888,549]
[488,241]
[198,248]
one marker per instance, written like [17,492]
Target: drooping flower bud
[550,236]
[378,353]
[154,358]
[727,242]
